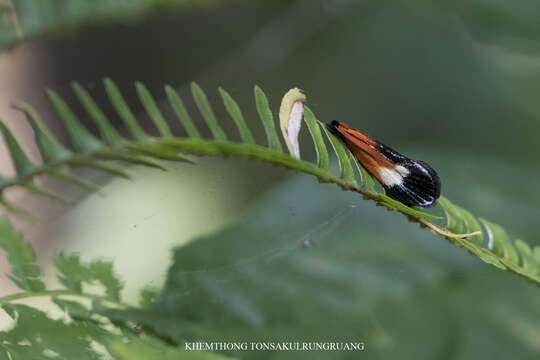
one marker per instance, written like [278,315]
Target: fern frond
[25,273]
[110,153]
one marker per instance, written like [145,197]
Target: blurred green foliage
[455,84]
[312,263]
[30,18]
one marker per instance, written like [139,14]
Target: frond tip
[111,153]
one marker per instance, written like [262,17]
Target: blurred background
[454,84]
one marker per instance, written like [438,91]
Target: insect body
[412,182]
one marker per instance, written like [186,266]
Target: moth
[412,182]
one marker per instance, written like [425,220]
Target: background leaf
[25,273]
[73,273]
[325,259]
[36,336]
[149,349]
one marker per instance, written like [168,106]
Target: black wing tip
[418,188]
[435,179]
[333,127]
[404,196]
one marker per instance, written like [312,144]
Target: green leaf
[103,272]
[267,118]
[81,138]
[180,110]
[25,273]
[529,263]
[315,131]
[277,275]
[75,309]
[460,220]
[347,172]
[148,295]
[206,111]
[160,151]
[236,114]
[108,133]
[129,158]
[36,336]
[65,174]
[73,273]
[145,348]
[151,108]
[505,255]
[9,206]
[499,242]
[392,204]
[110,168]
[65,17]
[357,166]
[21,162]
[39,190]
[367,179]
[50,148]
[123,110]
[454,222]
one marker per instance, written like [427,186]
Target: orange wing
[365,150]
